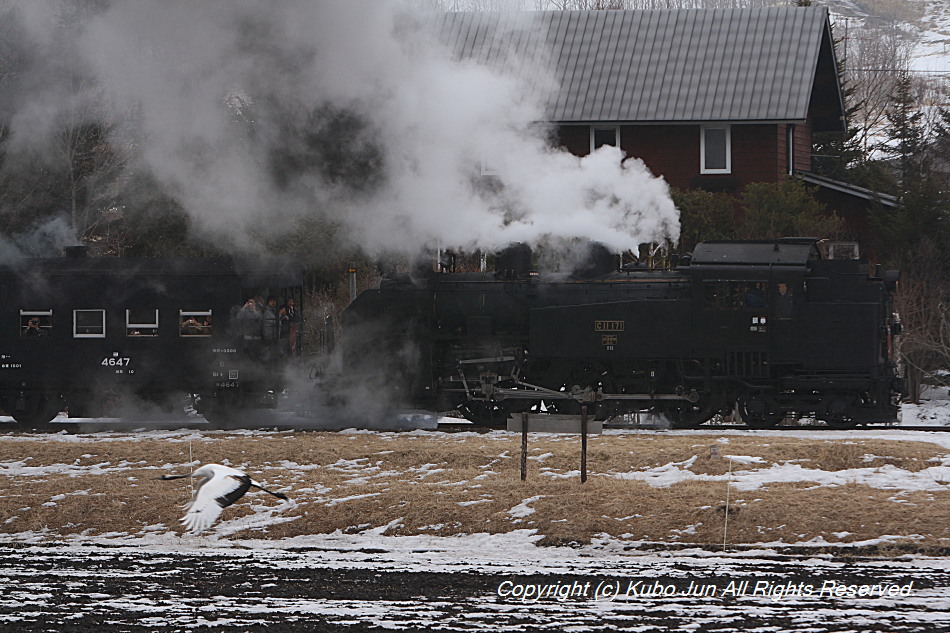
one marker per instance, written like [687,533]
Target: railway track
[461,427]
[82,425]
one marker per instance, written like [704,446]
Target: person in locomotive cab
[783,301]
[754,296]
[270,319]
[249,320]
[33,328]
[292,318]
[289,319]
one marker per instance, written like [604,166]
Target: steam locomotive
[99,336]
[768,329]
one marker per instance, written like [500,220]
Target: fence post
[583,444]
[524,446]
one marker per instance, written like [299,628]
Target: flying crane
[218,487]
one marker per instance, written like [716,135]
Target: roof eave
[736,121]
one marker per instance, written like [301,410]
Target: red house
[707,98]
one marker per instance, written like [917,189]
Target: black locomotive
[769,329]
[91,335]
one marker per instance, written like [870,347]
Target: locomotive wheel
[225,412]
[490,414]
[749,412]
[594,376]
[99,404]
[38,413]
[837,416]
[685,415]
[841,424]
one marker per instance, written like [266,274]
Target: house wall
[802,145]
[672,151]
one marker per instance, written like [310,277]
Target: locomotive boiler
[769,329]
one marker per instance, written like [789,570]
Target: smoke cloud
[256,113]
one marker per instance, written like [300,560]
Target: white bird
[218,487]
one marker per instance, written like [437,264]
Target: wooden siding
[672,151]
[803,146]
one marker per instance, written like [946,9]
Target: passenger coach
[93,335]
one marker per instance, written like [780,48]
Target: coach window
[141,322]
[194,323]
[36,323]
[89,323]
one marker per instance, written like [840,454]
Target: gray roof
[845,187]
[684,65]
[789,251]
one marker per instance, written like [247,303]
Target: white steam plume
[258,111]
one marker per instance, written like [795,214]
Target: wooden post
[524,446]
[583,444]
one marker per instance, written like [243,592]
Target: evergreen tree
[911,149]
[703,216]
[784,209]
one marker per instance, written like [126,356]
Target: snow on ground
[512,552]
[883,477]
[931,412]
[745,473]
[479,582]
[741,476]
[501,582]
[934,413]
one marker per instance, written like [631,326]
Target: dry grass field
[661,487]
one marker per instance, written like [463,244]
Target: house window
[141,322]
[487,163]
[196,323]
[36,323]
[487,169]
[715,149]
[600,136]
[89,323]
